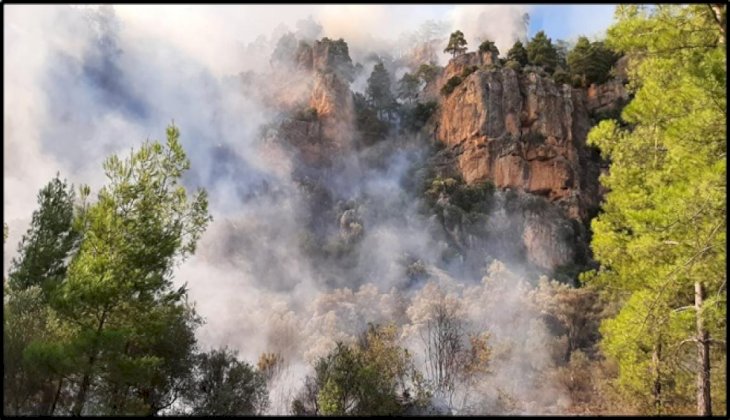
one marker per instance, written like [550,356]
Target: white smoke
[82,83]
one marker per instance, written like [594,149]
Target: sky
[570,21]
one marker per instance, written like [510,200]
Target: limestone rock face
[606,97]
[523,132]
[327,130]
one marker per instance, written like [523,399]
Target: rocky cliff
[321,119]
[522,131]
[517,129]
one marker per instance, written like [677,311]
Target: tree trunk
[704,403]
[56,397]
[86,381]
[656,391]
[81,395]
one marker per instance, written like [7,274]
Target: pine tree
[518,53]
[590,62]
[379,91]
[457,44]
[541,52]
[661,236]
[118,297]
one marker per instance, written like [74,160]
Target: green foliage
[457,44]
[371,128]
[50,241]
[408,87]
[226,386]
[561,76]
[514,65]
[415,118]
[427,72]
[534,138]
[378,90]
[114,314]
[450,85]
[374,377]
[34,358]
[541,52]
[591,62]
[663,223]
[488,45]
[518,53]
[470,198]
[468,71]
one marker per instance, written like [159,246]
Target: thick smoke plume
[84,83]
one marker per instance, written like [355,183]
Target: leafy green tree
[408,87]
[541,52]
[34,364]
[379,92]
[50,241]
[661,238]
[591,62]
[561,76]
[427,72]
[34,360]
[450,85]
[518,53]
[226,386]
[374,377]
[457,44]
[488,45]
[118,291]
[369,127]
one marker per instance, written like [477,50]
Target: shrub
[469,198]
[561,77]
[534,137]
[468,71]
[427,72]
[416,117]
[514,65]
[450,85]
[488,45]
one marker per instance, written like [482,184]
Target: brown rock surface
[524,132]
[325,68]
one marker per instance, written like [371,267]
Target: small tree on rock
[457,44]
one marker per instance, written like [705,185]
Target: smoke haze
[82,83]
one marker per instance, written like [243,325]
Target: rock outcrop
[321,126]
[522,131]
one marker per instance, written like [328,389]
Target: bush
[534,137]
[416,117]
[488,45]
[468,71]
[427,72]
[514,65]
[469,198]
[561,77]
[450,85]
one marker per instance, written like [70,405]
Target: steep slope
[523,132]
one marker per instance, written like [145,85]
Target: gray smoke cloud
[82,83]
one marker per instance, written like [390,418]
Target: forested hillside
[537,230]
